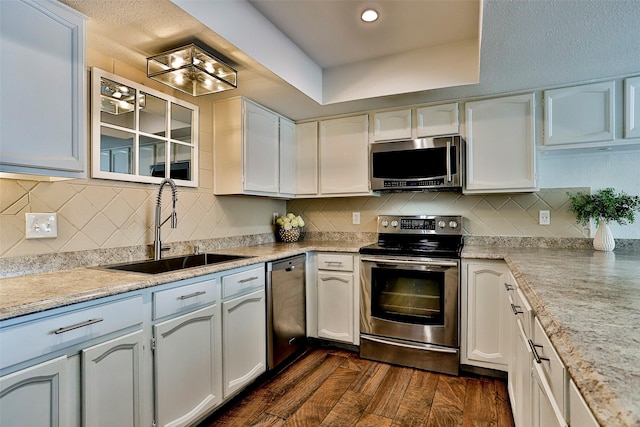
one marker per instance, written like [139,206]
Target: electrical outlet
[355,217]
[41,225]
[275,216]
[544,217]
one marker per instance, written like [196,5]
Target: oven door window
[408,296]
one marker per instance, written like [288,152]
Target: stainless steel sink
[166,265]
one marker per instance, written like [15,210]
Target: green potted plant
[604,206]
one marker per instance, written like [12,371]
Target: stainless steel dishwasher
[286,309]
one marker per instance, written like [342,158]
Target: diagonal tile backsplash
[485,215]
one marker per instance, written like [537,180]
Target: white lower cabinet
[579,413]
[104,389]
[337,290]
[36,396]
[186,362]
[112,382]
[484,317]
[244,339]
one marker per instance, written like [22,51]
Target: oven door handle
[392,263]
[415,347]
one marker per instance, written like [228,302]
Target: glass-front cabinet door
[140,134]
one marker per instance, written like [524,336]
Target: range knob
[453,224]
[385,223]
[442,224]
[394,224]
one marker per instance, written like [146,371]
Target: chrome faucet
[157,244]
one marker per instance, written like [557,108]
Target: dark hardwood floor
[333,387]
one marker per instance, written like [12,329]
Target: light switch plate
[41,225]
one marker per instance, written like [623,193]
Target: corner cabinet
[344,156]
[306,164]
[42,81]
[247,149]
[500,144]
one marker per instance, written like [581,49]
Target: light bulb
[369,15]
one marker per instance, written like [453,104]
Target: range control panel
[420,224]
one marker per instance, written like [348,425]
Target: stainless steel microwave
[427,164]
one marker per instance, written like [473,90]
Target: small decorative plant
[288,227]
[604,205]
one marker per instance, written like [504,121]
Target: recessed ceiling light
[369,15]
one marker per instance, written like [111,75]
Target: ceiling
[291,53]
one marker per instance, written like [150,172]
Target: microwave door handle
[449,161]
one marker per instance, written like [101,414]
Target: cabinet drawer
[28,340]
[245,281]
[551,365]
[183,298]
[337,262]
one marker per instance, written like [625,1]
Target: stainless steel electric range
[410,293]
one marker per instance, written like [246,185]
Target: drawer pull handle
[340,279]
[508,287]
[516,309]
[333,262]
[195,294]
[536,356]
[77,325]
[248,279]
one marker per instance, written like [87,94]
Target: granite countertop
[588,303]
[38,292]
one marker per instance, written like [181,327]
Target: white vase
[603,240]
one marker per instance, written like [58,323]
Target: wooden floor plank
[480,404]
[389,395]
[448,402]
[316,408]
[300,369]
[347,410]
[335,388]
[373,420]
[503,405]
[371,379]
[245,411]
[417,400]
[291,400]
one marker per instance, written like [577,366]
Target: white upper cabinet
[344,156]
[307,159]
[261,155]
[437,120]
[287,164]
[580,114]
[501,155]
[247,150]
[632,108]
[391,125]
[42,89]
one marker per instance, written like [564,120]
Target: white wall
[599,169]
